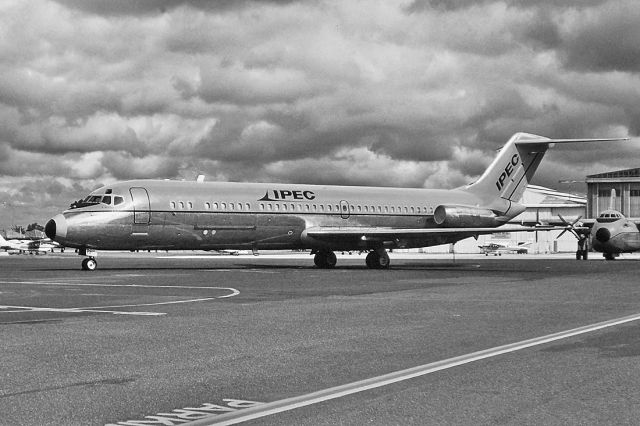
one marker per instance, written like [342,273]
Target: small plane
[497,249]
[38,246]
[610,233]
[198,215]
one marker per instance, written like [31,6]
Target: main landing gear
[376,259]
[325,259]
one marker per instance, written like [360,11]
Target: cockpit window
[92,200]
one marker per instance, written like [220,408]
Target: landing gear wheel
[378,259]
[325,259]
[609,256]
[372,260]
[89,264]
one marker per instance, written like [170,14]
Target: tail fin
[504,182]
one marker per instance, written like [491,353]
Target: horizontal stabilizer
[538,140]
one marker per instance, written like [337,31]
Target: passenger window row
[302,207]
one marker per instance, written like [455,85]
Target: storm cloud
[389,93]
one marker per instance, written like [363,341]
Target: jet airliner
[178,215]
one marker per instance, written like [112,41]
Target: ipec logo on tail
[508,171]
[288,195]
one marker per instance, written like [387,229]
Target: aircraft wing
[328,233]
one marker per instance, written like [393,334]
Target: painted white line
[398,376]
[75,310]
[101,309]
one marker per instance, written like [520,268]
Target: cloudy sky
[391,93]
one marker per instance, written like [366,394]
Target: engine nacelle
[465,216]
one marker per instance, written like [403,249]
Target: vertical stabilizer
[504,182]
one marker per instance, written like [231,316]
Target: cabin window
[352,208]
[393,209]
[337,208]
[106,199]
[207,206]
[117,200]
[306,207]
[379,209]
[215,206]
[322,207]
[181,205]
[284,207]
[413,210]
[189,205]
[261,207]
[248,206]
[269,207]
[329,208]
[230,206]
[223,206]
[276,207]
[172,205]
[299,207]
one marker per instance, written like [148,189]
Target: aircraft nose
[603,235]
[56,227]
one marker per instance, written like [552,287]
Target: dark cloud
[146,7]
[328,92]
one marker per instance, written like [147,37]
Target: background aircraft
[610,233]
[497,248]
[166,215]
[40,246]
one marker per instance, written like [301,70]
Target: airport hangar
[546,204]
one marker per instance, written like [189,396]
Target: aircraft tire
[578,254]
[585,254]
[325,259]
[372,260]
[89,264]
[384,261]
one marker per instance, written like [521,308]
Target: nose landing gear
[89,264]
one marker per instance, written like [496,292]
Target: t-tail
[501,186]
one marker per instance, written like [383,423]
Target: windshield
[95,199]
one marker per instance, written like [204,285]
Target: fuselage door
[141,206]
[344,209]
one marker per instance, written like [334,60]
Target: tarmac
[198,338]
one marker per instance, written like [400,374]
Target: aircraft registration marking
[398,376]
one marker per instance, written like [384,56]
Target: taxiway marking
[398,376]
[102,309]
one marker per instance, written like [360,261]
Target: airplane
[40,246]
[198,215]
[497,249]
[611,233]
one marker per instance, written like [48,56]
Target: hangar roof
[626,173]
